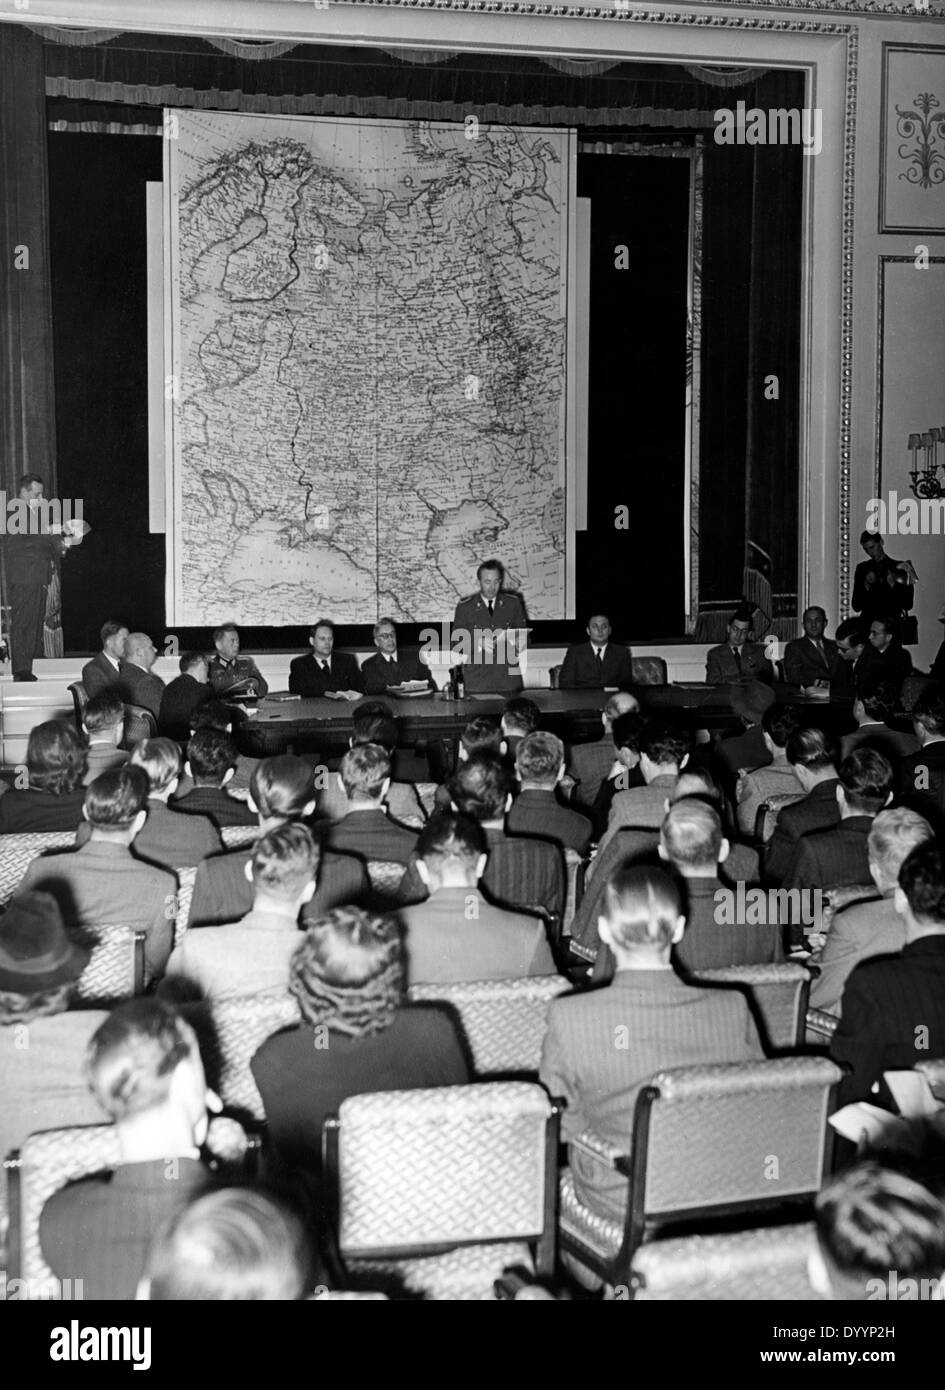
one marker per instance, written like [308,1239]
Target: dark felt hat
[750,701]
[35,951]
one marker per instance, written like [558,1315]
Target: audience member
[778,777]
[748,750]
[373,722]
[366,830]
[539,762]
[170,839]
[738,660]
[236,1244]
[812,659]
[922,776]
[603,1045]
[872,711]
[697,783]
[720,929]
[104,668]
[456,934]
[356,1033]
[520,717]
[145,1072]
[48,793]
[838,856]
[811,757]
[937,669]
[663,753]
[252,955]
[226,719]
[597,664]
[851,644]
[230,673]
[183,695]
[137,682]
[104,725]
[323,670]
[873,927]
[281,791]
[884,661]
[481,735]
[892,1012]
[102,882]
[391,666]
[589,763]
[211,763]
[624,773]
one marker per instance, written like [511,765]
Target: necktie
[325,666]
[736,652]
[489,606]
[600,656]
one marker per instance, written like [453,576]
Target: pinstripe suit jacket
[832,858]
[602,1046]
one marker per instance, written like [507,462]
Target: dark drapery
[27,406]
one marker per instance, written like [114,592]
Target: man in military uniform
[230,673]
[482,637]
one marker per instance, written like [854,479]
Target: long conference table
[275,726]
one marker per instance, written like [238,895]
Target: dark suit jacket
[307,678]
[31,811]
[522,872]
[472,617]
[539,813]
[99,1229]
[222,893]
[892,1015]
[217,804]
[140,687]
[582,671]
[747,750]
[302,1083]
[457,935]
[832,858]
[98,674]
[921,784]
[937,671]
[883,668]
[103,757]
[893,744]
[721,667]
[178,703]
[804,664]
[371,835]
[880,600]
[818,810]
[379,673]
[710,943]
[661,1022]
[168,839]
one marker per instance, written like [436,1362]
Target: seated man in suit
[812,759]
[872,709]
[104,668]
[183,695]
[661,1022]
[748,750]
[281,790]
[598,663]
[145,1072]
[481,624]
[738,660]
[590,763]
[211,763]
[922,776]
[102,882]
[536,810]
[481,735]
[520,717]
[391,666]
[366,830]
[778,778]
[251,955]
[836,857]
[324,671]
[851,644]
[456,934]
[104,723]
[230,673]
[812,659]
[664,750]
[720,930]
[892,1013]
[872,927]
[624,774]
[226,719]
[138,683]
[168,839]
[885,661]
[373,723]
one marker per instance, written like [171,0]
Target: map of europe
[369,350]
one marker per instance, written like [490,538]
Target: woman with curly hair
[48,792]
[356,1033]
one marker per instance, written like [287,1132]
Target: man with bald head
[591,763]
[137,683]
[597,664]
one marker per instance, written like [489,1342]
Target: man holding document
[489,634]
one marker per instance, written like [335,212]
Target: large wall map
[368,331]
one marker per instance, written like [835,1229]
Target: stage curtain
[27,413]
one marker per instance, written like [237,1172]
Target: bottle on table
[460,683]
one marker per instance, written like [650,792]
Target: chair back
[116,967]
[417,1171]
[737,1138]
[235,1029]
[648,670]
[80,698]
[139,723]
[503,1021]
[768,1263]
[185,893]
[766,817]
[19,850]
[777,995]
[575,868]
[239,836]
[627,846]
